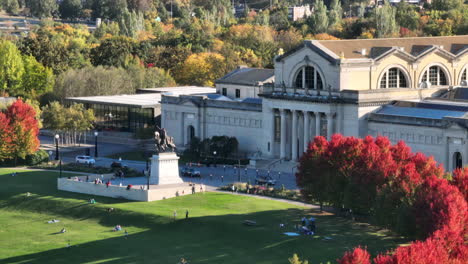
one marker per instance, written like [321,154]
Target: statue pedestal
[165,169]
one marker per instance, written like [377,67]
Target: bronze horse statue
[164,143]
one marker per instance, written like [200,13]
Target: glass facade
[122,118]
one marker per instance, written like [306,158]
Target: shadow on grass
[217,239]
[205,239]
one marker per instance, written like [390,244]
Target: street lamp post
[57,154]
[149,175]
[56,146]
[214,158]
[95,144]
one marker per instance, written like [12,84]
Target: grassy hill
[212,234]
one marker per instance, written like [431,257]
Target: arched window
[435,75]
[394,78]
[464,77]
[308,77]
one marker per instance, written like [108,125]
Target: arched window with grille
[435,75]
[394,78]
[464,77]
[308,77]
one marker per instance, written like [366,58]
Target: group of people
[308,226]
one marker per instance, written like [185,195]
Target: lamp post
[57,154]
[148,173]
[214,155]
[56,146]
[95,144]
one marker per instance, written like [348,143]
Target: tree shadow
[205,239]
[216,239]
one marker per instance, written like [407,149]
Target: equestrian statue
[164,143]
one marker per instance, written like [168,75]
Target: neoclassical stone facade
[347,87]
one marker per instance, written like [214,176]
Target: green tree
[50,52]
[10,6]
[406,16]
[111,28]
[70,9]
[336,13]
[42,8]
[447,5]
[72,122]
[318,22]
[385,23]
[130,23]
[11,67]
[115,51]
[37,79]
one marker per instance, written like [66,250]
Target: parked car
[189,172]
[85,160]
[265,180]
[118,165]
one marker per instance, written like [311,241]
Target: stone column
[306,130]
[329,125]
[182,130]
[294,135]
[283,134]
[317,123]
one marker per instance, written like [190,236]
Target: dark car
[118,165]
[265,180]
[189,172]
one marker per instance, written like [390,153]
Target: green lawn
[131,155]
[212,234]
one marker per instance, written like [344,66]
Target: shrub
[38,157]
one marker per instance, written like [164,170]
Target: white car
[85,159]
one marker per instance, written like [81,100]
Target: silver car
[85,160]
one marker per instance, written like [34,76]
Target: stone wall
[113,191]
[156,192]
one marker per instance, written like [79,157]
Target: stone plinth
[165,169]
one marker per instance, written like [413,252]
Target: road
[210,176]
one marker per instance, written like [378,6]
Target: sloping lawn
[213,233]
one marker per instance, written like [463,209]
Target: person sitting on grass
[63,230]
[117,228]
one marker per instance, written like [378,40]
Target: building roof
[218,97]
[351,49]
[248,76]
[134,100]
[418,112]
[178,90]
[425,109]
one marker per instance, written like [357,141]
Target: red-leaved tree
[460,179]
[22,130]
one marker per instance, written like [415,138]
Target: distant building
[298,12]
[244,82]
[411,89]
[128,113]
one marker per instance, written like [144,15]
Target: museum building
[411,89]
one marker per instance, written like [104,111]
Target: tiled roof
[248,76]
[351,49]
